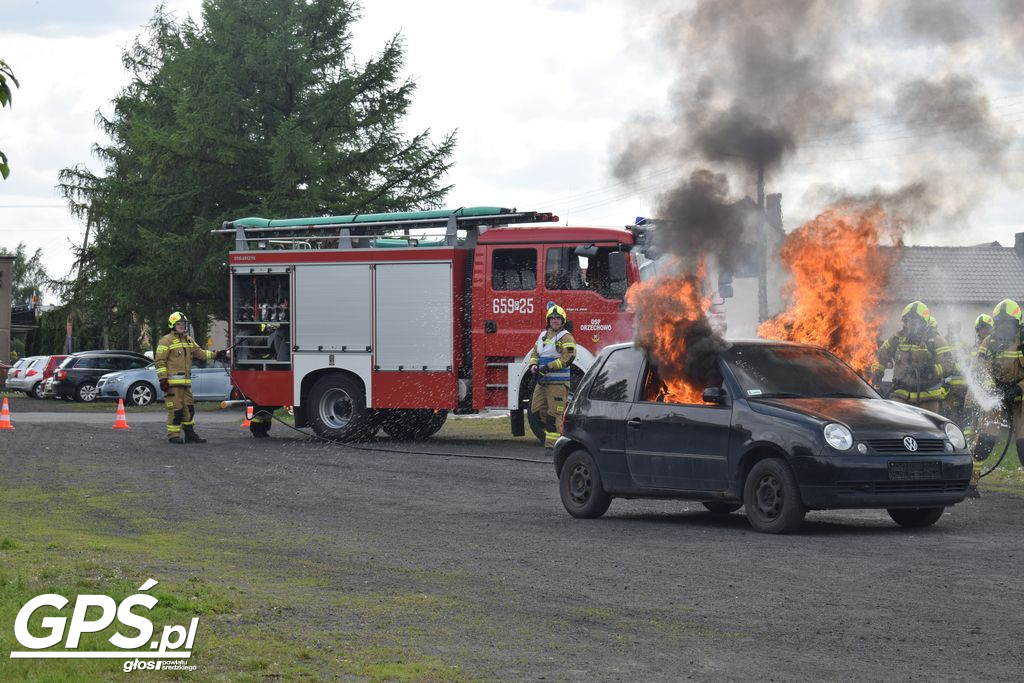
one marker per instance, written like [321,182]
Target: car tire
[580,486]
[86,392]
[772,498]
[37,391]
[337,409]
[140,394]
[720,507]
[916,518]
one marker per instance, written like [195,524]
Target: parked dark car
[77,376]
[784,428]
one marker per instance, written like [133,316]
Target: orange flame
[669,310]
[839,277]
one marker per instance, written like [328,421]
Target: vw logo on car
[910,443]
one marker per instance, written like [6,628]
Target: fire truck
[393,321]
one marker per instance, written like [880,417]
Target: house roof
[985,274]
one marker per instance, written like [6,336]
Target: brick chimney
[1018,244]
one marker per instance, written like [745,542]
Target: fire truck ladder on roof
[336,232]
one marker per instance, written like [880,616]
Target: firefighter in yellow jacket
[550,361]
[920,360]
[174,354]
[1001,357]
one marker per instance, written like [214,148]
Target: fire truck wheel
[338,409]
[413,425]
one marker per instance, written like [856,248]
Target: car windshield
[793,372]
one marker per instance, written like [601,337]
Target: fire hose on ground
[1006,447]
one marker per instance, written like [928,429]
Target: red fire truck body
[357,333]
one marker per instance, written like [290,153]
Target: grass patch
[1009,476]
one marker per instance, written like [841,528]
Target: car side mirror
[715,395]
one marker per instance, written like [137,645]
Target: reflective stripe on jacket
[554,355]
[174,354]
[1001,365]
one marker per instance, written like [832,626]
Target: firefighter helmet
[554,310]
[916,308]
[983,320]
[176,317]
[1006,307]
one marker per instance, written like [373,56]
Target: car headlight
[838,437]
[955,436]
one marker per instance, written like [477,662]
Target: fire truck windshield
[766,371]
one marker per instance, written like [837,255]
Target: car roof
[732,344]
[108,352]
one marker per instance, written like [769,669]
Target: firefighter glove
[164,385]
[1011,392]
[221,356]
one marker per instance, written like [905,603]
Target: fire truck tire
[337,409]
[413,425]
[526,389]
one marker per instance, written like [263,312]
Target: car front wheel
[772,498]
[140,394]
[580,486]
[915,518]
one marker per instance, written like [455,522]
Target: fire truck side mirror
[618,278]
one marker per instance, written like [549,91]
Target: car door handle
[634,422]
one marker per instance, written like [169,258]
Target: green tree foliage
[6,74]
[260,110]
[28,275]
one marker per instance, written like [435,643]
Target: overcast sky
[539,91]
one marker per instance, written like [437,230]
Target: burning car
[782,428]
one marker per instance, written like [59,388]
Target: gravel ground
[654,590]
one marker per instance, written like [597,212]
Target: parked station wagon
[784,428]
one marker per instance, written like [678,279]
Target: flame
[669,314]
[839,276]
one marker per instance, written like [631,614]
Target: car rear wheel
[140,394]
[915,518]
[579,485]
[86,393]
[37,391]
[721,508]
[772,498]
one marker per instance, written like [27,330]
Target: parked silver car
[139,387]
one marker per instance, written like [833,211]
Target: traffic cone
[121,422]
[248,415]
[5,416]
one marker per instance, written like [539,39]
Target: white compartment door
[332,308]
[413,310]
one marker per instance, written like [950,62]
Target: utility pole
[762,256]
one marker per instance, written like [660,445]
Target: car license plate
[914,471]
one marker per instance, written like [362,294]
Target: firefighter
[174,354]
[920,360]
[550,361]
[972,412]
[1001,360]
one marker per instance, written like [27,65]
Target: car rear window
[616,380]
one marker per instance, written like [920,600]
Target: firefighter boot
[191,436]
[176,439]
[972,488]
[550,432]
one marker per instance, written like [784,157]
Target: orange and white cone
[5,417]
[121,422]
[248,415]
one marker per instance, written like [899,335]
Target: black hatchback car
[77,376]
[785,428]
